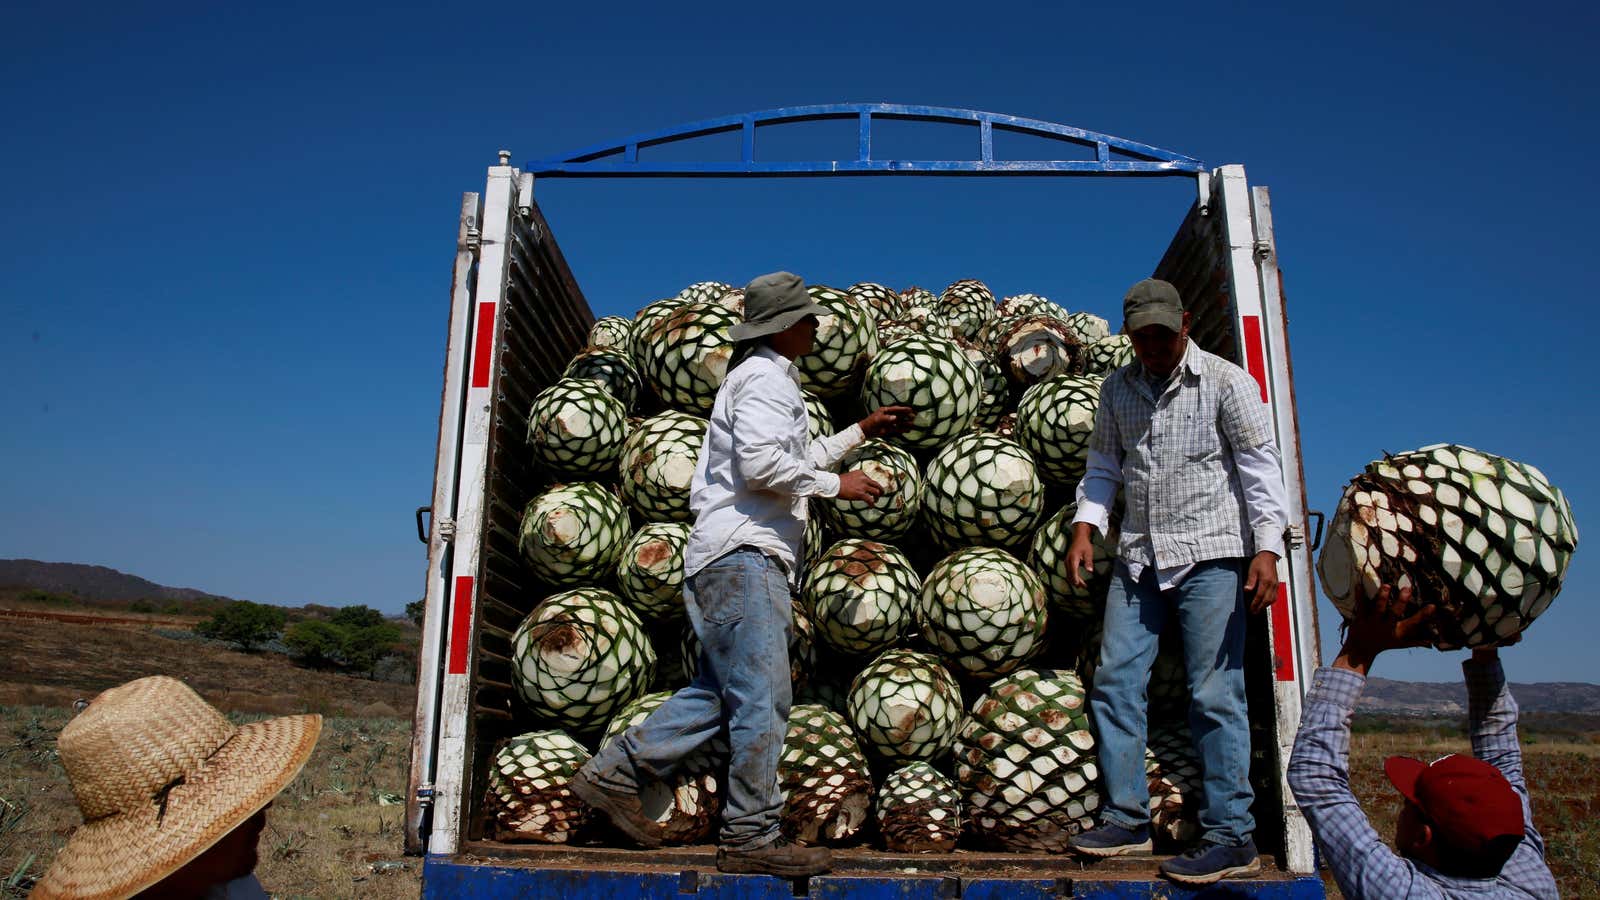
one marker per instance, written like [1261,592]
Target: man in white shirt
[1186,436]
[756,471]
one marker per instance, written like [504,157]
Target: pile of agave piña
[941,653]
[938,697]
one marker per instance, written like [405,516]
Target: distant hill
[1444,698]
[89,582]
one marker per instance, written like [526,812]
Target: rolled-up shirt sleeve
[1097,491]
[1266,502]
[827,451]
[762,415]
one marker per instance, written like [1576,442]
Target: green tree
[414,611]
[364,646]
[243,624]
[314,642]
[359,616]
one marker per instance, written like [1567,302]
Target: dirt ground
[52,660]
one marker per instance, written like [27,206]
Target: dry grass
[1563,779]
[336,831]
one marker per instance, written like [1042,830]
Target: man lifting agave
[755,474]
[1185,435]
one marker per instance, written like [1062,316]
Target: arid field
[336,831]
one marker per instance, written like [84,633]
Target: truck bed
[489,868]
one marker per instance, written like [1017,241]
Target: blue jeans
[739,608]
[1209,605]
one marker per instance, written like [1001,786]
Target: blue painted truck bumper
[444,878]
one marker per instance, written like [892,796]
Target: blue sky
[229,236]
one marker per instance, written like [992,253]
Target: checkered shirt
[1364,866]
[1182,500]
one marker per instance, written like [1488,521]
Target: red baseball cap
[1469,802]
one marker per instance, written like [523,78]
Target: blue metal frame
[443,879]
[621,158]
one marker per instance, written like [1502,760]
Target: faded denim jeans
[1209,606]
[739,608]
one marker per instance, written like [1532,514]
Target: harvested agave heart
[1484,538]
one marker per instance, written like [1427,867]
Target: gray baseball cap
[1152,302]
[772,303]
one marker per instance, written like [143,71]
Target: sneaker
[621,807]
[1208,863]
[1112,840]
[782,857]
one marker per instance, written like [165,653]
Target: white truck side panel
[453,777]
[430,656]
[1263,353]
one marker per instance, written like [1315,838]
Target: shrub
[314,642]
[243,623]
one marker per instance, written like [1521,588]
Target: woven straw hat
[160,776]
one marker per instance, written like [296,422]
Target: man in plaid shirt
[1466,828]
[1186,437]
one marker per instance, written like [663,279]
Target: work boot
[1208,863]
[621,807]
[1112,840]
[782,857]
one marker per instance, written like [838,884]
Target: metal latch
[447,529]
[1295,537]
[474,236]
[1263,249]
[425,795]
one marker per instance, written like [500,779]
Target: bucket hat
[772,303]
[160,776]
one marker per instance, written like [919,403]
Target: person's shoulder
[1228,373]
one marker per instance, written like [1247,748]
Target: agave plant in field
[846,340]
[1108,355]
[572,533]
[894,512]
[906,706]
[657,468]
[575,429]
[966,305]
[981,489]
[528,793]
[685,807]
[1484,538]
[1055,419]
[1048,557]
[650,570]
[983,610]
[861,596]
[612,369]
[1036,348]
[611,332]
[931,376]
[919,810]
[825,777]
[1026,763]
[686,355]
[579,657]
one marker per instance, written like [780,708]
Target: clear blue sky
[229,234]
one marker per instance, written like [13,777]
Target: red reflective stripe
[1282,636]
[460,625]
[1255,355]
[483,343]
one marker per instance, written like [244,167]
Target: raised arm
[1492,720]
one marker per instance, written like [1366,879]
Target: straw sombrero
[160,776]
